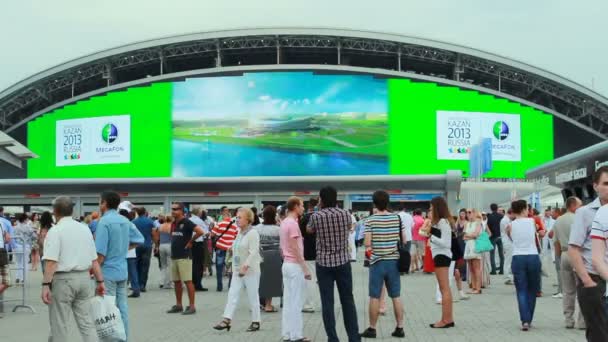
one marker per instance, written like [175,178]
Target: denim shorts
[384,272]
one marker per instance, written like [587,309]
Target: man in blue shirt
[144,252]
[8,227]
[112,239]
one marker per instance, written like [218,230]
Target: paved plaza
[492,316]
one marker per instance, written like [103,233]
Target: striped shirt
[599,228]
[332,227]
[384,230]
[225,242]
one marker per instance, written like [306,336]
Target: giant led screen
[285,124]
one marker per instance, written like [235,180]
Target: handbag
[3,251]
[405,259]
[483,243]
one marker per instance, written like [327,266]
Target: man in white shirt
[69,254]
[198,250]
[407,223]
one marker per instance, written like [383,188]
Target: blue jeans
[343,277]
[526,276]
[119,290]
[144,254]
[220,261]
[133,276]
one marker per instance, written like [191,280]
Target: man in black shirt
[494,224]
[310,255]
[183,234]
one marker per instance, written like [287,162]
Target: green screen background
[412,108]
[150,110]
[413,135]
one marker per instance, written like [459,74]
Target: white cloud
[284,105]
[331,92]
[264,97]
[251,84]
[306,101]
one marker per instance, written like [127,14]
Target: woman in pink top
[418,242]
[294,270]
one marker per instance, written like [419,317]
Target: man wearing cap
[113,237]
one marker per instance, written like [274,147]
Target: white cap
[126,205]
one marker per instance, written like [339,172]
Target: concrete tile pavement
[492,316]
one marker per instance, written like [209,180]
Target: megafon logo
[109,133]
[501,130]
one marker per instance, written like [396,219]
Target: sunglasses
[176,209]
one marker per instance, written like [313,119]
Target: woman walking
[246,271]
[295,271]
[526,265]
[474,259]
[440,232]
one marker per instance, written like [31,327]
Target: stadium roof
[322,50]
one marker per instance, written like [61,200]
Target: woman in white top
[440,232]
[471,232]
[246,271]
[525,264]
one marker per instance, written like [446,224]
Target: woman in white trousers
[295,271]
[246,272]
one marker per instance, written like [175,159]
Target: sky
[562,36]
[274,94]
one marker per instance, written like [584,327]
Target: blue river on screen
[208,159]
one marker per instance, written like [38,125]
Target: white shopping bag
[108,321]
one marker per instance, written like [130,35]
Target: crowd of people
[300,254]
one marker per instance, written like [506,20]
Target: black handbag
[3,251]
[405,258]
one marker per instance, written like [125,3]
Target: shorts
[384,272]
[181,270]
[5,276]
[419,247]
[442,261]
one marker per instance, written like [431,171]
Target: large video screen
[285,124]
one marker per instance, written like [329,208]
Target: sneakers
[369,333]
[525,327]
[508,282]
[175,309]
[558,295]
[398,332]
[189,311]
[463,296]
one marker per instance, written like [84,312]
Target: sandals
[224,324]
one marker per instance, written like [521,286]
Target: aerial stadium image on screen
[281,124]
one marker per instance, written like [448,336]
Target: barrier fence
[18,268]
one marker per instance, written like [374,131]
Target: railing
[22,283]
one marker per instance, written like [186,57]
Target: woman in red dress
[429,265]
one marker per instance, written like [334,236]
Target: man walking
[143,252]
[590,295]
[183,234]
[113,237]
[507,245]
[494,224]
[69,254]
[561,234]
[332,226]
[223,234]
[310,255]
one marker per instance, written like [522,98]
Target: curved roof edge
[304,31]
[303,67]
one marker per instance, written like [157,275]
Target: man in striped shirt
[382,237]
[223,234]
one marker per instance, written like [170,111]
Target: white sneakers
[558,295]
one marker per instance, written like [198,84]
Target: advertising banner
[458,131]
[99,140]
